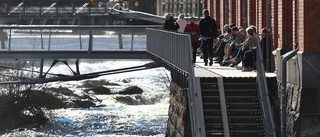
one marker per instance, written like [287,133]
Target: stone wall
[178,124]
[292,110]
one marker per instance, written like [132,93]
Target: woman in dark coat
[170,23]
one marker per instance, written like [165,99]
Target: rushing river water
[114,118]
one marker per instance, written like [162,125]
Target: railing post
[132,38]
[90,40]
[80,40]
[41,39]
[9,45]
[120,40]
[49,41]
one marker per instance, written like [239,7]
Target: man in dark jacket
[170,23]
[208,32]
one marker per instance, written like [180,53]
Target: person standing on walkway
[181,22]
[170,24]
[208,33]
[193,30]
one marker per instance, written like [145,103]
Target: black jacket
[171,24]
[208,27]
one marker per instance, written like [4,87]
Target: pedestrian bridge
[73,42]
[71,12]
[223,102]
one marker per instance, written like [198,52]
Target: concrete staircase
[245,116]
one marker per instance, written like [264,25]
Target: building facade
[175,7]
[293,25]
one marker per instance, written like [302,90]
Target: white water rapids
[114,119]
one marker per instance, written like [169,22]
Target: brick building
[293,23]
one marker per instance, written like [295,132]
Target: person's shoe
[206,64]
[247,69]
[210,63]
[224,64]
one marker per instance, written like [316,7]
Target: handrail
[175,49]
[72,38]
[264,93]
[75,26]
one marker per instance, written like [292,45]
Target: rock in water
[131,90]
[102,91]
[84,103]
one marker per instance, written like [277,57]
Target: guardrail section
[83,38]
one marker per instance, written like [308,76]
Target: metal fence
[83,38]
[40,8]
[131,14]
[175,49]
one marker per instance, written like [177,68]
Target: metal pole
[80,40]
[132,38]
[49,41]
[120,40]
[41,39]
[9,45]
[268,37]
[90,40]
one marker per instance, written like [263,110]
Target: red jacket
[194,30]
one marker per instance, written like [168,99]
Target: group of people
[234,46]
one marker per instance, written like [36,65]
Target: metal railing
[175,49]
[264,93]
[83,38]
[130,14]
[51,9]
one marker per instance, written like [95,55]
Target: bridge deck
[222,71]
